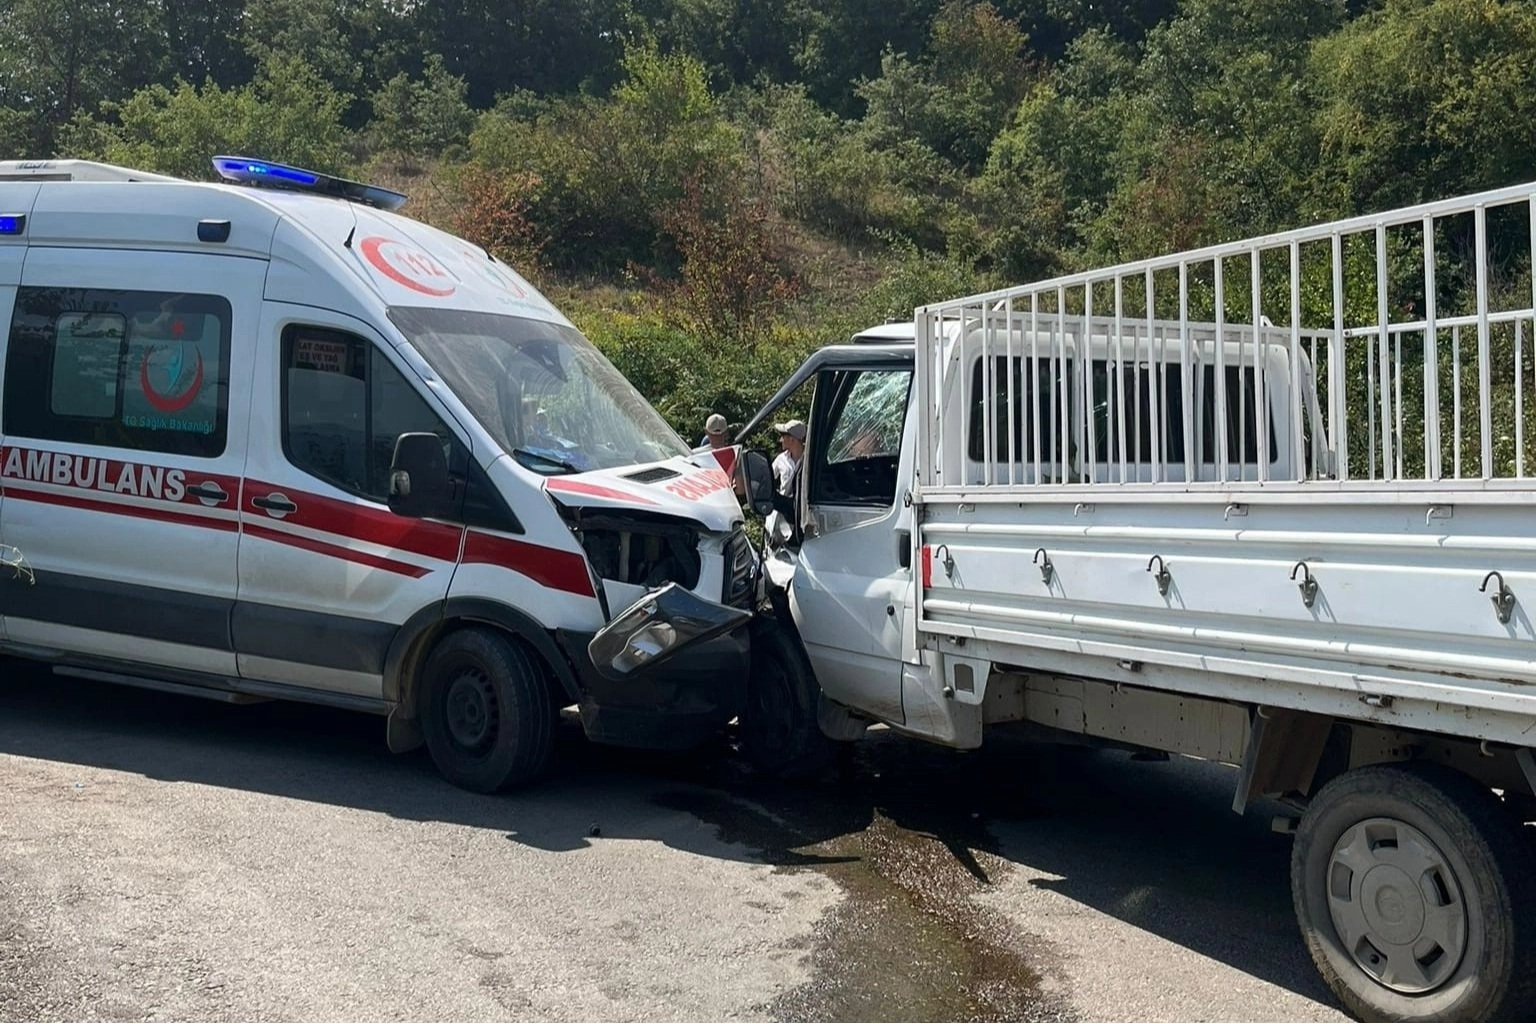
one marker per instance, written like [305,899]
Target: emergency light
[240,169]
[266,174]
[12,223]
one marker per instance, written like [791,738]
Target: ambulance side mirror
[418,477]
[759,482]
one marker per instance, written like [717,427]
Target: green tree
[1053,25]
[288,113]
[1233,74]
[608,167]
[739,40]
[63,57]
[422,116]
[1049,174]
[830,174]
[1424,100]
[838,45]
[956,98]
[549,46]
[353,45]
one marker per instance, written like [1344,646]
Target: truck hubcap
[471,711]
[1397,905]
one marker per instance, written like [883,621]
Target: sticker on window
[172,358]
[318,354]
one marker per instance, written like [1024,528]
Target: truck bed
[1393,477]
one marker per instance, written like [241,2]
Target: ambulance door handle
[208,492]
[275,503]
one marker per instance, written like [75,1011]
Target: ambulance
[267,438]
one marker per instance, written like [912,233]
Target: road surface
[164,857]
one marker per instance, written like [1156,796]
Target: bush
[734,280]
[610,167]
[288,114]
[835,177]
[685,377]
[491,210]
[909,277]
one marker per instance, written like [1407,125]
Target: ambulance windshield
[542,390]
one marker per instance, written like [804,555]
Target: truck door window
[861,415]
[120,369]
[343,406]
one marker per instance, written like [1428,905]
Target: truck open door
[854,576]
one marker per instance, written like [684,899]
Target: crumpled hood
[694,489]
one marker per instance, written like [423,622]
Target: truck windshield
[542,390]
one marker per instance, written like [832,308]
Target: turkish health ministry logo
[171,375]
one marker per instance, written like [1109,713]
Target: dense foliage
[710,187]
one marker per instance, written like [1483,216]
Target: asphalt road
[169,858]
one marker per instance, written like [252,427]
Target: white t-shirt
[785,466]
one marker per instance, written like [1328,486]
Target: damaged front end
[670,667]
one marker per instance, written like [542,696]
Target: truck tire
[486,711]
[779,734]
[1416,896]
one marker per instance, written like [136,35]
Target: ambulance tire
[779,733]
[486,710]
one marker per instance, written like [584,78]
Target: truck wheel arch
[414,641]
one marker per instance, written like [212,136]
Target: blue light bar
[266,174]
[238,168]
[12,223]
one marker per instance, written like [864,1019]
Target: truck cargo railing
[1386,353]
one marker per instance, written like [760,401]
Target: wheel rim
[471,711]
[1397,905]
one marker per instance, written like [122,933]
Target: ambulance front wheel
[486,712]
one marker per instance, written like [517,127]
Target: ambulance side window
[120,369]
[343,406]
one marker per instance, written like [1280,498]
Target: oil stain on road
[909,941]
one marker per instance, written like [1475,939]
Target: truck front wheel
[1416,896]
[779,734]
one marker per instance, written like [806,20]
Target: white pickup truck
[1263,504]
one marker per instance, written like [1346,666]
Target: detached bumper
[678,703]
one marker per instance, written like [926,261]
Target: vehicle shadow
[1154,845]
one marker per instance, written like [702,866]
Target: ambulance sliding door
[125,395]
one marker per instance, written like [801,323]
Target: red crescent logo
[168,403]
[406,265]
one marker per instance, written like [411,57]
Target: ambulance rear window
[119,369]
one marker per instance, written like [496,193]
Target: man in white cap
[786,476]
[786,468]
[716,431]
